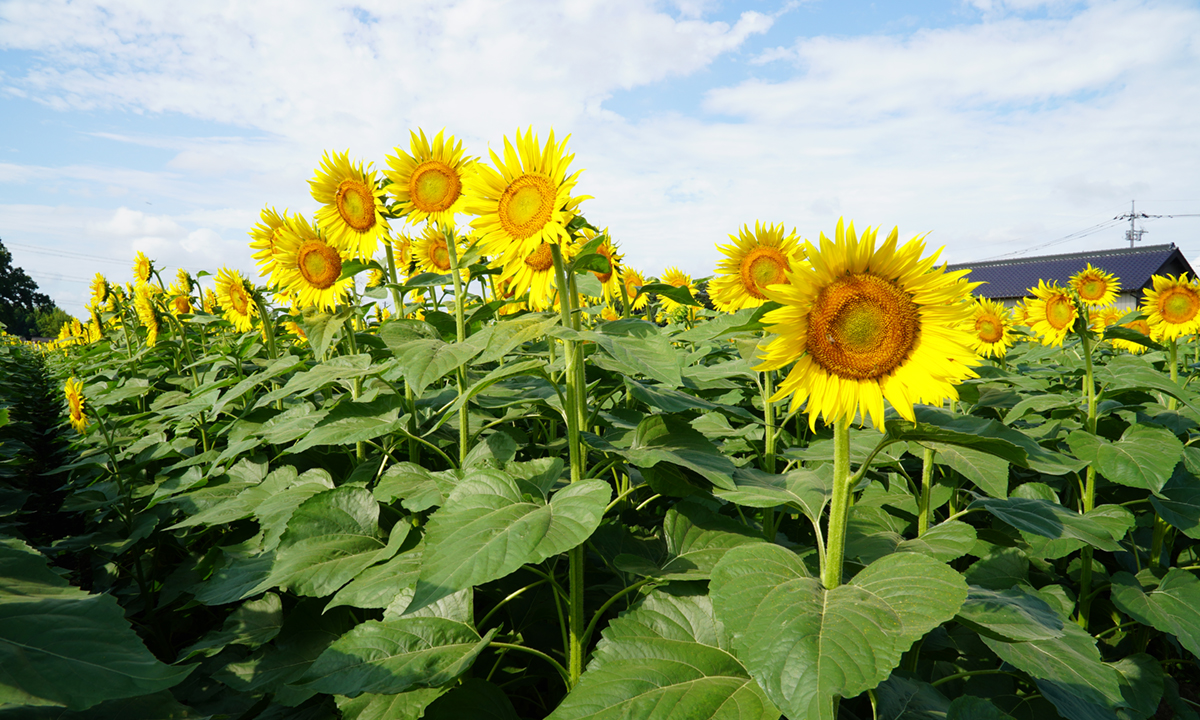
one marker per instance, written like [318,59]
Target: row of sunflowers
[543,484]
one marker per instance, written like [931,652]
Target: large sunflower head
[351,213]
[990,328]
[1051,312]
[428,184]
[74,393]
[1172,307]
[142,267]
[309,267]
[526,200]
[757,259]
[863,324]
[1095,287]
[264,237]
[235,296]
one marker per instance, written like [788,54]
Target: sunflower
[534,274]
[633,282]
[352,210]
[143,302]
[375,278]
[990,328]
[608,280]
[94,331]
[526,200]
[755,260]
[1139,325]
[309,267]
[677,278]
[431,254]
[609,314]
[74,393]
[209,302]
[263,239]
[99,289]
[428,185]
[234,296]
[864,324]
[142,267]
[1051,313]
[1173,307]
[1095,287]
[181,304]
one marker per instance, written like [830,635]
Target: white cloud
[1033,122]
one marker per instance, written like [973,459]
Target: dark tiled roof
[1133,266]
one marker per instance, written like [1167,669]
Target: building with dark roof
[1010,280]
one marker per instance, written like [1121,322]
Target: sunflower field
[486,469]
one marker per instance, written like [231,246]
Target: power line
[66,253]
[1066,238]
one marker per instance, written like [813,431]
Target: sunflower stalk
[414,449]
[839,506]
[926,490]
[460,327]
[1089,488]
[575,621]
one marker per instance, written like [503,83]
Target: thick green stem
[574,397]
[1172,403]
[1089,489]
[839,506]
[464,416]
[769,518]
[393,279]
[926,491]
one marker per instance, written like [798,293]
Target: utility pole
[1133,234]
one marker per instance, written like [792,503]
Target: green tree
[21,305]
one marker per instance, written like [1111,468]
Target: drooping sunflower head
[755,260]
[864,323]
[1051,313]
[143,302]
[142,268]
[264,237]
[309,267]
[428,184]
[1095,287]
[74,392]
[1172,307]
[526,199]
[235,296]
[351,214]
[990,328]
[99,289]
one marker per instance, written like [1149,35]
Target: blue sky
[997,126]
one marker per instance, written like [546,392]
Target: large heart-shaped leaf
[805,644]
[1050,520]
[666,659]
[392,656]
[696,538]
[491,525]
[666,438]
[1011,614]
[62,646]
[1144,457]
[1173,607]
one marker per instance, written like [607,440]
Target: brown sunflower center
[434,186]
[1179,305]
[182,304]
[763,266]
[319,264]
[356,204]
[862,327]
[989,328]
[439,255]
[540,260]
[526,205]
[1060,312]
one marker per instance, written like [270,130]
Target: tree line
[23,310]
